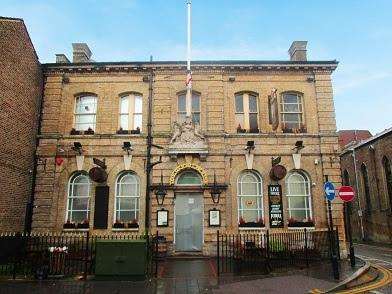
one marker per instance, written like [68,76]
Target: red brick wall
[20,98]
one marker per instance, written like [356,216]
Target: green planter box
[121,258]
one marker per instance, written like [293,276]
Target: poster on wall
[275,206]
[214,218]
[162,218]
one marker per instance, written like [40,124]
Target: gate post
[306,248]
[86,256]
[217,253]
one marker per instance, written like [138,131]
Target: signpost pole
[349,234]
[335,266]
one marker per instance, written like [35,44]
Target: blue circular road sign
[329,190]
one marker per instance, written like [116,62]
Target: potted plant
[241,222]
[83,225]
[118,224]
[133,224]
[286,129]
[89,131]
[74,132]
[240,129]
[137,131]
[302,128]
[69,225]
[260,222]
[120,131]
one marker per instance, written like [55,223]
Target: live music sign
[346,193]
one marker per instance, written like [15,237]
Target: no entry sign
[346,193]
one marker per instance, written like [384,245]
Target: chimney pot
[297,51]
[81,52]
[61,58]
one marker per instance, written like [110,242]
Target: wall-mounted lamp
[77,147]
[160,192]
[231,78]
[215,191]
[127,147]
[298,146]
[250,145]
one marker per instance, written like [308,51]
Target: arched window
[127,198]
[388,178]
[85,112]
[346,178]
[189,178]
[131,112]
[195,107]
[246,112]
[366,188]
[250,197]
[78,205]
[298,196]
[291,111]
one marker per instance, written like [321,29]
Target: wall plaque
[214,218]
[162,218]
[275,206]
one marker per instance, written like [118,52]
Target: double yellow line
[385,280]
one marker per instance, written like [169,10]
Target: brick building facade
[92,108]
[21,91]
[371,177]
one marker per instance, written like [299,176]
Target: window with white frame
[78,206]
[127,198]
[131,112]
[291,111]
[299,196]
[246,112]
[250,197]
[195,107]
[85,112]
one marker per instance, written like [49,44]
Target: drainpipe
[30,202]
[358,194]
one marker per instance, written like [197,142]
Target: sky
[357,33]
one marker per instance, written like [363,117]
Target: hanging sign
[275,206]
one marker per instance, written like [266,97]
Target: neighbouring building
[367,167]
[20,101]
[347,137]
[254,124]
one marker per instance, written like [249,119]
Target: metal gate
[189,222]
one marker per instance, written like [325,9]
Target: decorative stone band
[181,167]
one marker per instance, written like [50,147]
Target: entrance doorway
[189,222]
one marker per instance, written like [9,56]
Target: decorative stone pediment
[187,139]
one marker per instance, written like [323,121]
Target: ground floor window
[78,207]
[298,197]
[127,198]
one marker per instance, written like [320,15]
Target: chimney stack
[81,52]
[297,51]
[61,58]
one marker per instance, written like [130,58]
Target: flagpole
[188,65]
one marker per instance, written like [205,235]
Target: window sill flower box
[122,132]
[258,224]
[84,225]
[74,132]
[89,131]
[69,225]
[118,225]
[135,132]
[133,225]
[292,223]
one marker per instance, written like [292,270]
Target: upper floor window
[388,179]
[127,198]
[85,112]
[292,111]
[131,112]
[195,107]
[366,188]
[78,205]
[250,198]
[298,196]
[246,113]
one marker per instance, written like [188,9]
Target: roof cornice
[246,65]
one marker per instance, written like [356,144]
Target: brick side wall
[377,220]
[20,92]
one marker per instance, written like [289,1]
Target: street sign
[329,190]
[346,193]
